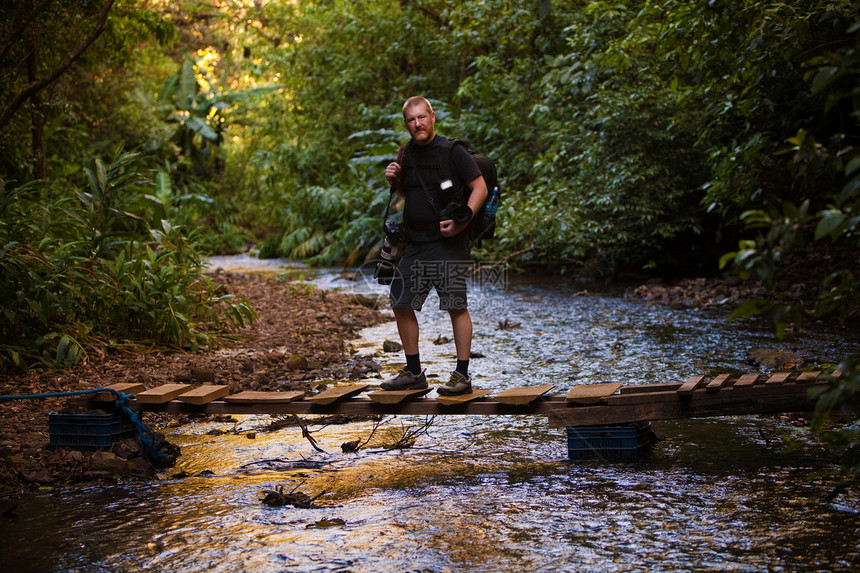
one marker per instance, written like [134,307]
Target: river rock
[391,346]
[126,449]
[297,362]
[371,302]
[37,474]
[108,461]
[203,374]
[774,358]
[75,457]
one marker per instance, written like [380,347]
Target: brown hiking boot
[458,384]
[406,380]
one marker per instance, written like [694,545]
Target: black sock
[413,363]
[463,367]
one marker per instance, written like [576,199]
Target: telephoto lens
[388,262]
[392,249]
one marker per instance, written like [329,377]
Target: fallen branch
[277,498]
[307,435]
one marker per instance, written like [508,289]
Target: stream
[482,493]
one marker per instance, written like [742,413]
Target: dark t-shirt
[424,203]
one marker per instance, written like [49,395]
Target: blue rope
[145,434]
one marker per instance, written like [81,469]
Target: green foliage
[842,396]
[84,274]
[827,221]
[326,226]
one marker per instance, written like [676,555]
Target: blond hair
[417,100]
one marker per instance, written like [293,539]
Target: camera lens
[462,214]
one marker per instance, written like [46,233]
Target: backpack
[483,225]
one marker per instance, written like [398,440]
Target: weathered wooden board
[523,395]
[659,387]
[204,394]
[253,397]
[462,398]
[396,396]
[691,384]
[717,383]
[124,387]
[338,393]
[778,378]
[592,393]
[162,394]
[808,376]
[746,380]
[623,408]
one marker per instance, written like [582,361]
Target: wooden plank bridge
[582,405]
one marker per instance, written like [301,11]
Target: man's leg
[460,381]
[412,376]
[407,327]
[461,324]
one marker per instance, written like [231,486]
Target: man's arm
[392,175]
[476,201]
[478,195]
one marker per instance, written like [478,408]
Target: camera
[392,249]
[458,212]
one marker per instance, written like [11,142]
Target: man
[436,254]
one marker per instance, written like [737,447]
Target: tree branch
[61,68]
[20,23]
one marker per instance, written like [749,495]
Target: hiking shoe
[458,384]
[406,380]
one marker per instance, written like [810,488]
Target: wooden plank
[717,383]
[204,394]
[660,387]
[808,376]
[360,406]
[746,380]
[336,393]
[163,393]
[462,398]
[124,387]
[691,384]
[778,378]
[616,409]
[252,397]
[396,396]
[592,393]
[522,395]
[760,399]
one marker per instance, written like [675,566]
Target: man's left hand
[449,228]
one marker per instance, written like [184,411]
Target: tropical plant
[85,274]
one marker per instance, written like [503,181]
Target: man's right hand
[392,172]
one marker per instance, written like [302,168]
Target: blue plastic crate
[619,442]
[87,432]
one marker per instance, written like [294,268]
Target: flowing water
[483,493]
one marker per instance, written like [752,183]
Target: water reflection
[483,493]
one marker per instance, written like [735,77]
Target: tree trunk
[37,127]
[40,84]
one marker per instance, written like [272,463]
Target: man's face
[419,121]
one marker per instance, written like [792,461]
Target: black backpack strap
[401,156]
[446,167]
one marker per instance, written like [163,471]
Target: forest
[633,139]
